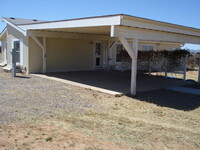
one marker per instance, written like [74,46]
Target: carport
[115,82]
[129,30]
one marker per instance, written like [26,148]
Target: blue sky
[183,12]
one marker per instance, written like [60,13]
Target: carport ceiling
[105,30]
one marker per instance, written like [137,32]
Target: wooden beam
[133,52]
[68,35]
[126,46]
[38,42]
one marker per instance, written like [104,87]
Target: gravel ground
[23,98]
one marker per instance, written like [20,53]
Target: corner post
[134,67]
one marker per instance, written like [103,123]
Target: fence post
[13,63]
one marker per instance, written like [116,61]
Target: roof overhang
[106,21]
[137,22]
[104,25]
[75,23]
[15,26]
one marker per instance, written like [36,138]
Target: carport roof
[104,22]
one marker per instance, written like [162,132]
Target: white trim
[14,26]
[21,61]
[3,32]
[21,52]
[87,22]
[4,51]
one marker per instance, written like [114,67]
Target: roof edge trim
[15,26]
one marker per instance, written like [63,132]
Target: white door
[98,55]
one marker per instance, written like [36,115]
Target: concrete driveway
[118,81]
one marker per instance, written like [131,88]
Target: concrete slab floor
[118,82]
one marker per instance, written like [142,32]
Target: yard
[37,113]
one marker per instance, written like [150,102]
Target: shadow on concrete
[170,99]
[119,81]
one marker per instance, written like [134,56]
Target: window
[147,47]
[16,46]
[175,48]
[119,50]
[97,54]
[98,49]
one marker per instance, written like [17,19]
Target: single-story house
[88,43]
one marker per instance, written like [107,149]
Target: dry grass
[126,124]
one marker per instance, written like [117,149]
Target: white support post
[133,52]
[134,67]
[44,55]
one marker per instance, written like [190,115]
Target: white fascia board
[160,36]
[154,25]
[90,22]
[3,32]
[14,26]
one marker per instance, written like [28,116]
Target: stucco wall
[62,55]
[69,54]
[35,57]
[13,34]
[3,46]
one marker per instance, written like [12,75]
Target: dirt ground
[47,115]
